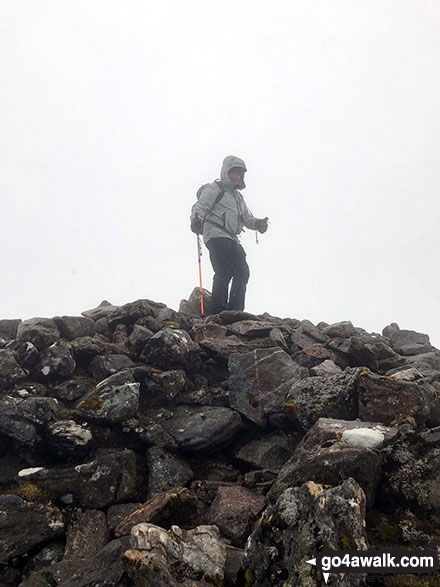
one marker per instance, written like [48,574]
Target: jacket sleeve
[249,220]
[205,202]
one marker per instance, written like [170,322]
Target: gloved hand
[261,224]
[197,225]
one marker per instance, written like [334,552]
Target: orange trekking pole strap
[199,254]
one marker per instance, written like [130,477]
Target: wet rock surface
[144,446]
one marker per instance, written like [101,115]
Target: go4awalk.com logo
[382,562]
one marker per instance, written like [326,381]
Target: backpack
[217,199]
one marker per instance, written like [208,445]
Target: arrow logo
[312,561]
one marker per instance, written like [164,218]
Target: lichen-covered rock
[162,389]
[56,362]
[139,338]
[41,332]
[259,381]
[17,517]
[169,349]
[177,558]
[10,370]
[115,399]
[331,396]
[334,450]
[202,428]
[367,350]
[166,471]
[306,334]
[108,479]
[233,510]
[294,530]
[175,506]
[129,313]
[384,399]
[72,327]
[73,389]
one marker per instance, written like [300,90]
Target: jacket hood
[230,162]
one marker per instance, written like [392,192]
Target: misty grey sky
[113,113]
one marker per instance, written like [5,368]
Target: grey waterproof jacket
[228,217]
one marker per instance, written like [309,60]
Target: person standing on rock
[220,214]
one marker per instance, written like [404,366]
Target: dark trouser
[228,260]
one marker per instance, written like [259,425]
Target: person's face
[236,174]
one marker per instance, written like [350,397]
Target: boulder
[334,450]
[129,313]
[41,332]
[220,350]
[270,452]
[306,334]
[166,471]
[192,305]
[25,353]
[110,478]
[293,531]
[10,370]
[233,511]
[116,513]
[332,396]
[409,342]
[66,439]
[56,362]
[259,381]
[202,428]
[327,367]
[8,329]
[23,420]
[384,399]
[104,310]
[340,330]
[162,389]
[87,534]
[73,389]
[177,558]
[105,365]
[17,517]
[115,399]
[72,327]
[169,349]
[139,338]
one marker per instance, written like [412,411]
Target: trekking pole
[199,254]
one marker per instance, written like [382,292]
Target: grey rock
[103,570]
[23,420]
[139,338]
[67,439]
[8,328]
[409,342]
[104,366]
[431,437]
[25,353]
[162,389]
[258,382]
[157,556]
[405,374]
[49,555]
[202,429]
[73,389]
[271,452]
[166,471]
[307,335]
[114,399]
[169,349]
[116,513]
[221,349]
[17,517]
[108,479]
[72,327]
[87,534]
[426,363]
[56,362]
[233,511]
[104,310]
[327,367]
[129,313]
[192,305]
[334,450]
[10,370]
[41,332]
[368,351]
[293,531]
[340,330]
[209,331]
[251,328]
[332,396]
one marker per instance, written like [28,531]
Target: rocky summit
[145,446]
